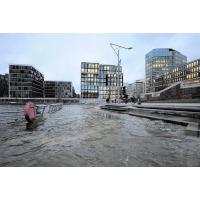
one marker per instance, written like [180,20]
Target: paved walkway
[172,104]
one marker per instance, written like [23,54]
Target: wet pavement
[85,135]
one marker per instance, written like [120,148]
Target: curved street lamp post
[116,49]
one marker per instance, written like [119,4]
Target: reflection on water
[36,123]
[84,135]
[108,115]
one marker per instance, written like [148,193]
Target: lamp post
[116,49]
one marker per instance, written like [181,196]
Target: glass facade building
[89,80]
[110,78]
[25,82]
[161,61]
[189,71]
[58,89]
[168,78]
[100,81]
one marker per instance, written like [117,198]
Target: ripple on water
[80,135]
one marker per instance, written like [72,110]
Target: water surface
[84,135]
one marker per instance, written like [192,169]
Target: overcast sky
[58,56]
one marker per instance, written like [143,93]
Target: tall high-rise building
[100,81]
[160,61]
[25,82]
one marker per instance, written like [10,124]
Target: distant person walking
[107,100]
[139,101]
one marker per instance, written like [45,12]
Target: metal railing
[55,107]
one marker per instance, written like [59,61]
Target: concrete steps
[189,118]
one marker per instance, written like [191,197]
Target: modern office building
[161,61]
[189,71]
[58,89]
[110,81]
[129,90]
[181,83]
[100,81]
[25,82]
[4,85]
[49,89]
[89,80]
[135,89]
[138,88]
[170,77]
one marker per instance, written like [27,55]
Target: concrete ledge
[124,109]
[176,108]
[171,112]
[168,120]
[192,124]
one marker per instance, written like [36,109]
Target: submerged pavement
[85,135]
[184,114]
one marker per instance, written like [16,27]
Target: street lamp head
[118,46]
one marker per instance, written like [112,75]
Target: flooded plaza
[85,135]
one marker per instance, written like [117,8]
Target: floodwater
[85,135]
